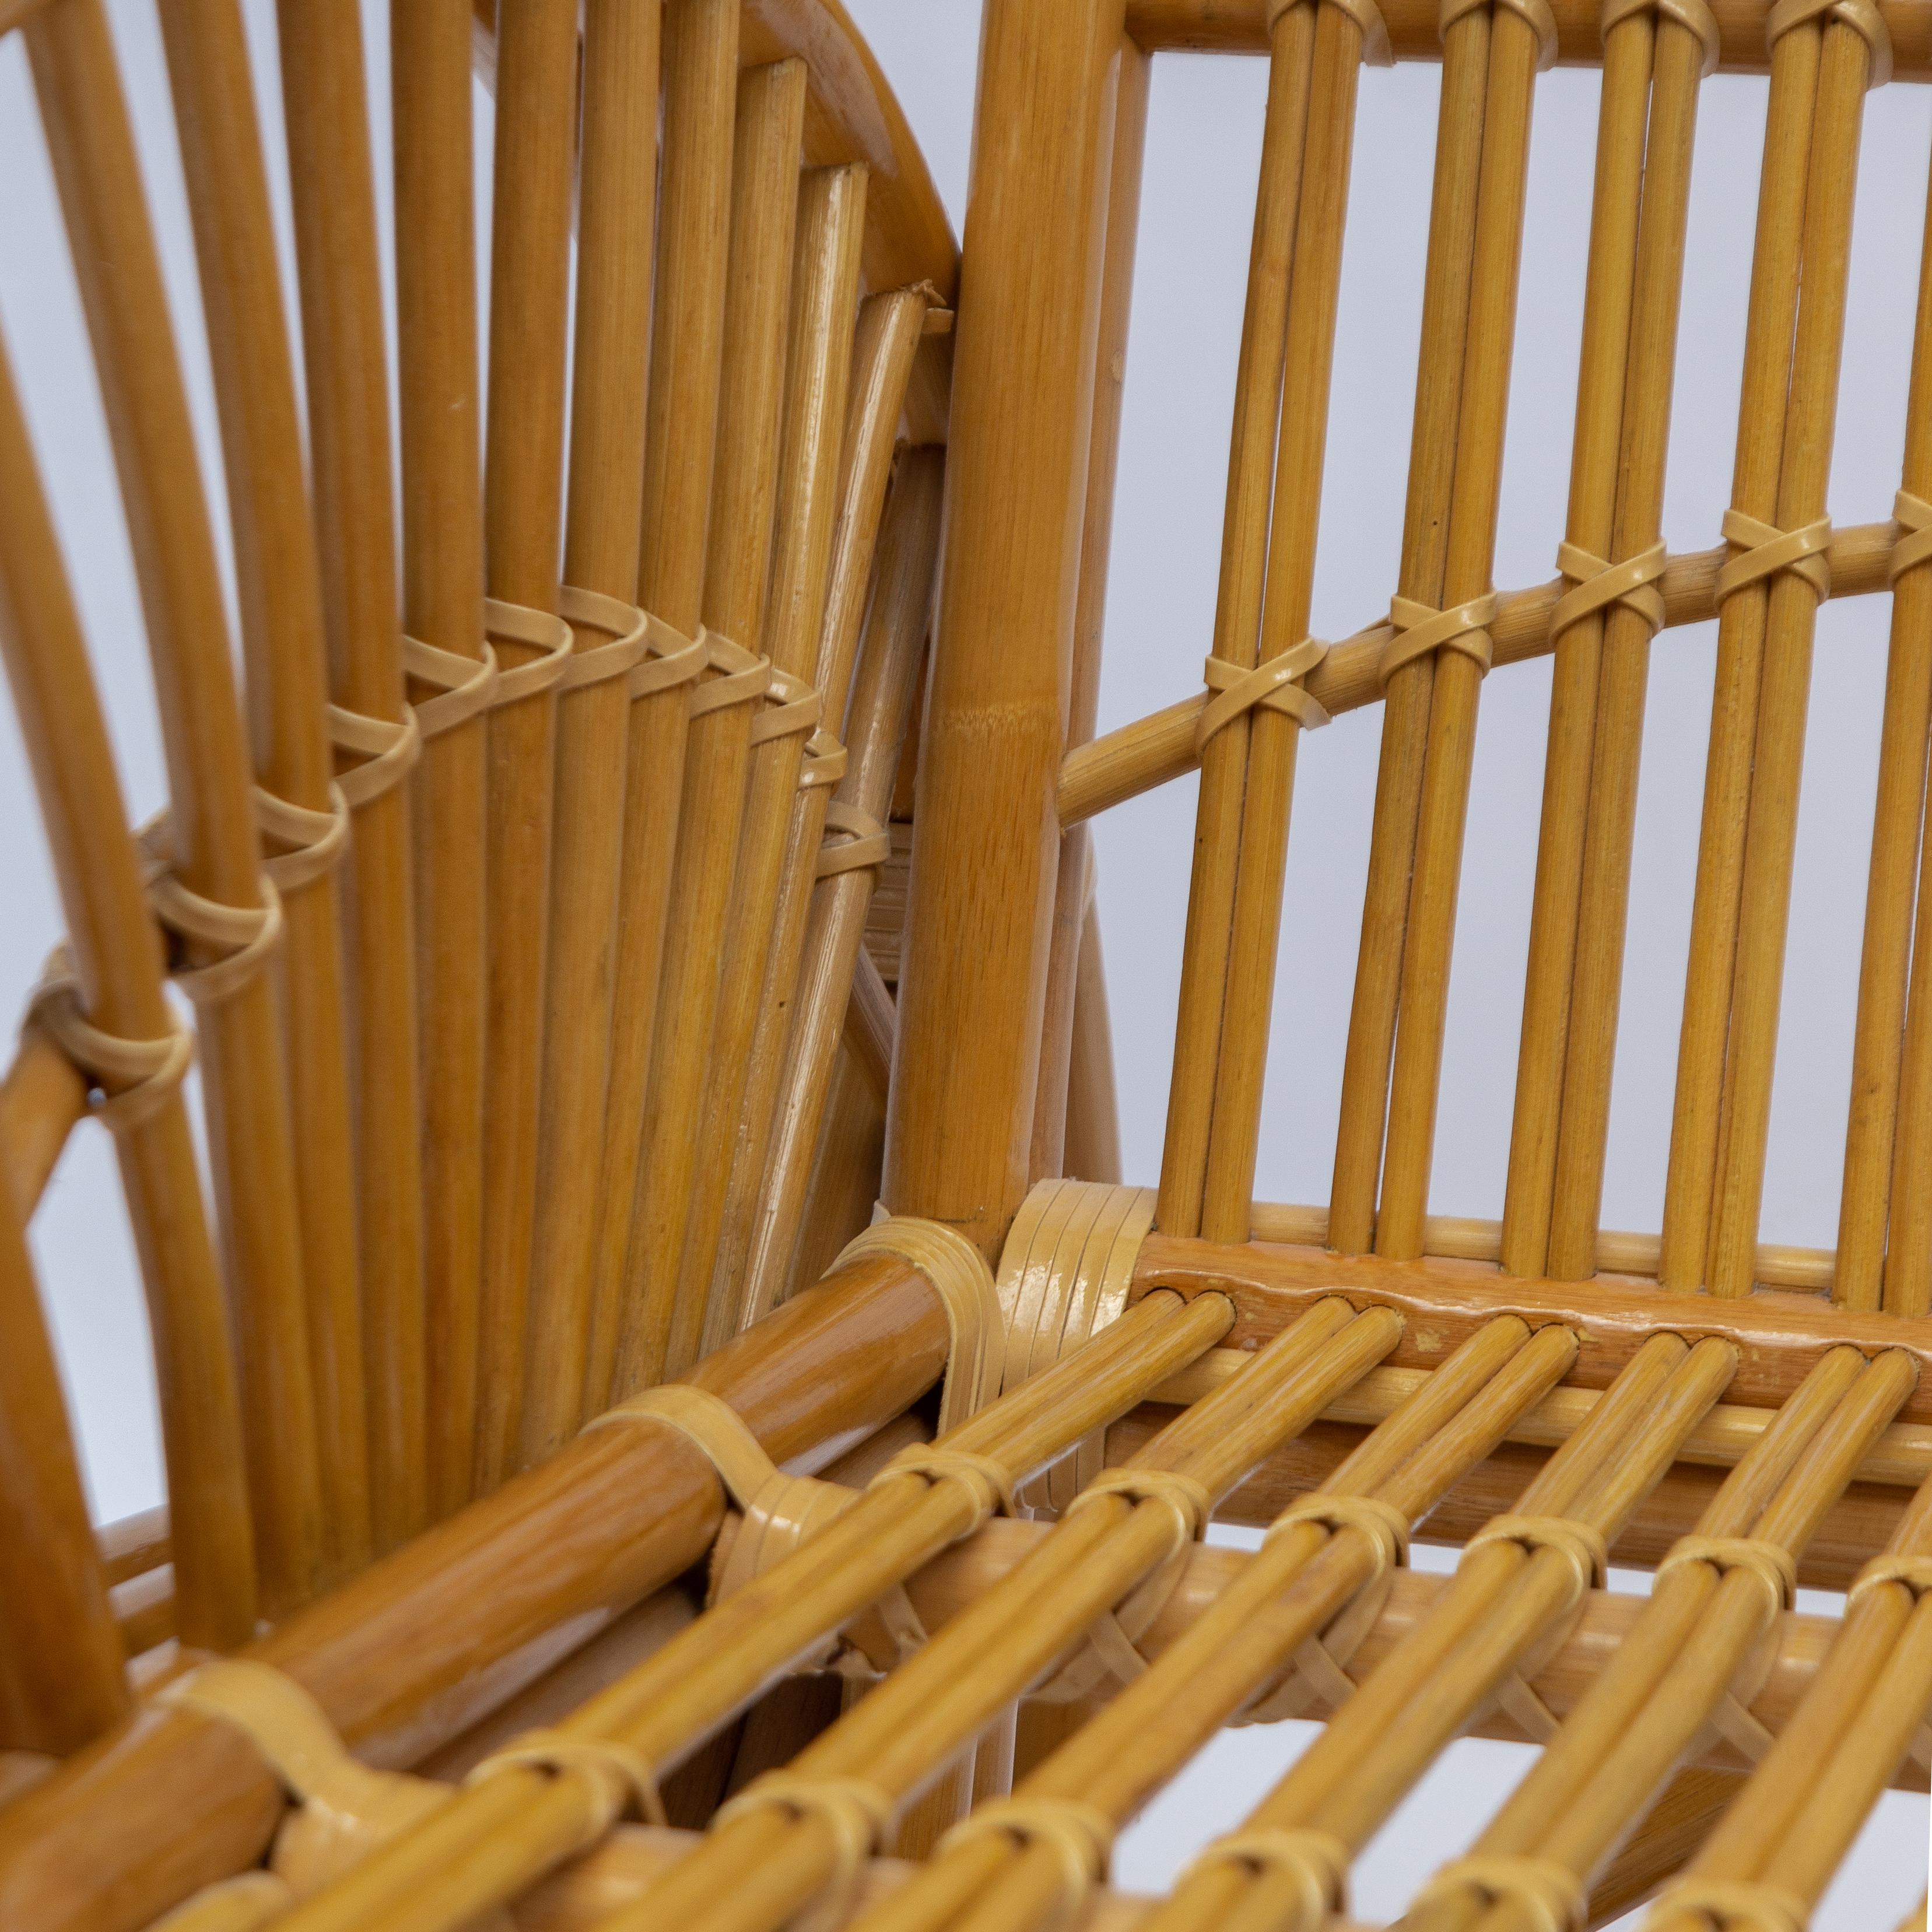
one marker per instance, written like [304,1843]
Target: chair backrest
[516,874]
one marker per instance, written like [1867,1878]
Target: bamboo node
[1551,1896]
[463,686]
[1632,583]
[854,839]
[1080,1836]
[797,710]
[617,1778]
[314,841]
[742,678]
[1734,1905]
[1766,550]
[958,1273]
[1861,16]
[857,1813]
[626,628]
[1420,628]
[1914,1572]
[129,1081]
[1693,15]
[824,762]
[1314,1863]
[542,632]
[1237,691]
[1535,14]
[987,1483]
[240,938]
[1913,545]
[387,747]
[670,658]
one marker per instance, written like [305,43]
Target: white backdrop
[1203,148]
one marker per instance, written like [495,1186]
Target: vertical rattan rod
[1406,701]
[1804,474]
[700,58]
[437,388]
[1414,1087]
[1073,893]
[1603,898]
[888,675]
[344,347]
[213,842]
[750,1255]
[1093,1143]
[825,296]
[615,234]
[1886,1135]
[987,830]
[1772,321]
[1602,384]
[283,652]
[764,200]
[1237,619]
[1273,737]
[522,512]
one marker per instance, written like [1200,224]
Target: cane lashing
[1584,1551]
[312,843]
[1080,1837]
[743,677]
[1535,14]
[617,1778]
[129,1081]
[1734,1905]
[1764,550]
[218,949]
[1913,545]
[1694,15]
[1314,1864]
[1376,51]
[857,1814]
[464,686]
[1861,16]
[1271,685]
[853,840]
[626,631]
[670,658]
[386,750]
[542,632]
[1631,583]
[1420,629]
[1550,1896]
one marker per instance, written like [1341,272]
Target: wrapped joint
[129,1081]
[987,1483]
[1587,1557]
[464,686]
[1313,1864]
[1734,1905]
[1535,13]
[1376,51]
[1861,16]
[1549,1896]
[1271,685]
[240,939]
[539,631]
[1693,15]
[1914,1572]
[1420,629]
[387,750]
[795,711]
[1913,544]
[670,658]
[313,842]
[618,1779]
[1080,1836]
[742,678]
[626,629]
[710,1424]
[1633,583]
[854,839]
[857,1813]
[1764,550]
[824,761]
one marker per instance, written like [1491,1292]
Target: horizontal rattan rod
[1458,1237]
[427,1641]
[134,1544]
[1138,758]
[1902,1457]
[1238,27]
[1781,1337]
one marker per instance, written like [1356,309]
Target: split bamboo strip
[116,967]
[533,175]
[889,334]
[425,1642]
[1309,1571]
[332,184]
[831,216]
[1154,750]
[764,196]
[1407,697]
[1073,892]
[888,675]
[1614,1752]
[1891,1079]
[531,1817]
[1238,611]
[1653,64]
[615,234]
[212,860]
[1100,1556]
[440,435]
[700,61]
[986,837]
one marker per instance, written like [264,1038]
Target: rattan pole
[1093,1147]
[1604,378]
[437,389]
[616,221]
[1891,1090]
[522,506]
[1237,623]
[764,190]
[1603,896]
[1073,894]
[1415,1087]
[332,186]
[754,1248]
[1406,702]
[212,832]
[1273,737]
[279,597]
[1772,320]
[986,837]
[831,224]
[111,936]
[700,57]
[1804,475]
[43,1098]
